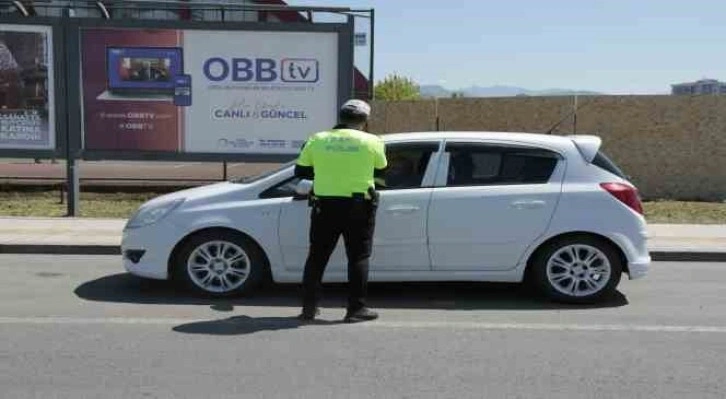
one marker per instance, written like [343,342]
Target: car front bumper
[146,250]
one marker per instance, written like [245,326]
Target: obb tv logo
[290,70]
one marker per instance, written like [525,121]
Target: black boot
[362,314]
[309,314]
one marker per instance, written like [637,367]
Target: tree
[395,87]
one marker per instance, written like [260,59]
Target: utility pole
[574,119]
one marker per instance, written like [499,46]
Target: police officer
[343,164]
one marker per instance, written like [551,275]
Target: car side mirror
[303,189]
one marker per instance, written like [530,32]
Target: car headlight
[149,215]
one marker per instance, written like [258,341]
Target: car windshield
[254,178]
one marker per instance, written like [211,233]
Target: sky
[613,46]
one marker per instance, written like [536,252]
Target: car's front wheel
[579,269]
[219,263]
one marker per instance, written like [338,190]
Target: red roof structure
[360,82]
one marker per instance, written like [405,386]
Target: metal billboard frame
[73,52]
[66,47]
[58,30]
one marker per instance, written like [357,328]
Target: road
[78,327]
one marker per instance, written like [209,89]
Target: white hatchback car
[457,206]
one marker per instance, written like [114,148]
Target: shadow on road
[241,325]
[125,288]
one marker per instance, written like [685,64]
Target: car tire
[219,263]
[577,269]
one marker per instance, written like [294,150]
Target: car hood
[200,193]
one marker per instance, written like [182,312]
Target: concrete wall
[672,146]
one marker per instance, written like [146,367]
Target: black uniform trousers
[330,219]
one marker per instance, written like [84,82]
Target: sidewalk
[81,236]
[103,236]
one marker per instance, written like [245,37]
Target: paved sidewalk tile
[105,232]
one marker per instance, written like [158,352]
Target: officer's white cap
[355,106]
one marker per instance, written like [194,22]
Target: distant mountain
[564,92]
[498,91]
[493,91]
[434,91]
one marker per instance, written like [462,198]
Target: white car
[457,206]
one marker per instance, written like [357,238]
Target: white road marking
[386,324]
[552,327]
[94,320]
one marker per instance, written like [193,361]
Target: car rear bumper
[635,248]
[639,269]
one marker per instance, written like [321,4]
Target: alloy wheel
[578,270]
[218,266]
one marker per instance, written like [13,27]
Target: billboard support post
[71,48]
[371,82]
[72,182]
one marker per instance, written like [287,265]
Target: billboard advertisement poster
[27,114]
[206,91]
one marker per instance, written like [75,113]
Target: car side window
[480,165]
[407,164]
[281,190]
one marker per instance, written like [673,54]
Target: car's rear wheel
[580,269]
[219,263]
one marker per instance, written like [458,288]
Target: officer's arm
[304,172]
[379,176]
[304,165]
[381,164]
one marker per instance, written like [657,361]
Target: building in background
[186,10]
[700,87]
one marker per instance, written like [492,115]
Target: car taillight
[627,194]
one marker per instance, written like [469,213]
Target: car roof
[532,138]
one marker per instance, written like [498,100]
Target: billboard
[206,91]
[27,114]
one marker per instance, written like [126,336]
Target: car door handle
[402,209]
[527,204]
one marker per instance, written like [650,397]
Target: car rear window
[473,164]
[604,162]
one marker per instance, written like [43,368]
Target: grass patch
[98,205]
[121,205]
[685,212]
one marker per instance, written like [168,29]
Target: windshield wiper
[253,178]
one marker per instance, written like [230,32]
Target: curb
[42,249]
[50,249]
[683,256]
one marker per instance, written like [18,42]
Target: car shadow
[126,288]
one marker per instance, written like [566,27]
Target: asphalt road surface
[79,327]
